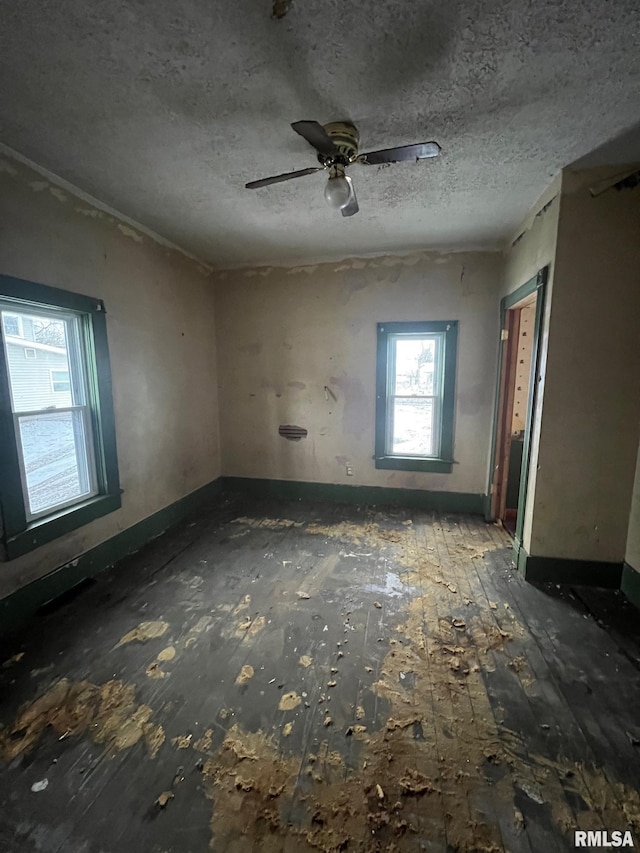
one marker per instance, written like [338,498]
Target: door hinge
[504,334]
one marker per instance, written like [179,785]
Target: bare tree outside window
[49,332]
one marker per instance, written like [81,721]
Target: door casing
[497,483]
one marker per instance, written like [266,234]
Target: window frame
[443,462]
[53,381]
[19,534]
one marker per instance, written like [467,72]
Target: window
[415,395]
[57,435]
[60,380]
[11,324]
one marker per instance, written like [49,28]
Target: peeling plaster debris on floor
[144,631]
[107,712]
[433,717]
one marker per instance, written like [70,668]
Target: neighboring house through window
[416,369]
[57,434]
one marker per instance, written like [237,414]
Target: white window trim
[75,356]
[436,397]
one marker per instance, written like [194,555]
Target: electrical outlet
[349,470]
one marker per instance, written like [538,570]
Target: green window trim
[444,461]
[19,536]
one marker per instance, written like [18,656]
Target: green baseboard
[24,602]
[373,495]
[630,584]
[569,572]
[17,607]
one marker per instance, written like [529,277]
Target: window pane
[43,381]
[55,458]
[412,432]
[60,381]
[415,360]
[11,324]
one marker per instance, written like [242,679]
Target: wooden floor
[297,677]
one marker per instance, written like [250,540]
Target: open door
[521,320]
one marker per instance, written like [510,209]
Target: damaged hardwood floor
[304,677]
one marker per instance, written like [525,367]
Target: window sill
[413,463]
[47,529]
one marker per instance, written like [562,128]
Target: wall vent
[292,433]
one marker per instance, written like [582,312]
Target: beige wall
[589,430]
[533,243]
[534,247]
[162,342]
[285,334]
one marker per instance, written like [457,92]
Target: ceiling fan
[337,148]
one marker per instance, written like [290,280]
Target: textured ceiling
[165,110]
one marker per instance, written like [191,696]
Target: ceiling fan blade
[276,179]
[316,135]
[351,206]
[405,152]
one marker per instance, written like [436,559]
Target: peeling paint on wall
[129,232]
[23,169]
[335,357]
[77,246]
[377,261]
[309,270]
[91,212]
[58,193]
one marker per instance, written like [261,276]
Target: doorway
[521,316]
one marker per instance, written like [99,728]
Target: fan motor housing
[345,137]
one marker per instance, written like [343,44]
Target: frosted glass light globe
[337,191]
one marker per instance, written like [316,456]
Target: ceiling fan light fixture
[337,191]
[336,147]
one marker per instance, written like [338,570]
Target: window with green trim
[57,431]
[416,374]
